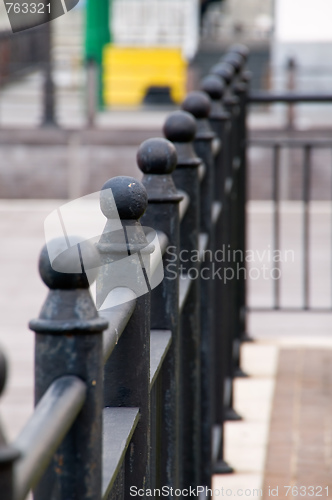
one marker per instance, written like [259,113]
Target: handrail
[44,431]
[287,97]
[117,316]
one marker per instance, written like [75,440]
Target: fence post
[69,342]
[235,103]
[123,201]
[199,105]
[225,72]
[241,49]
[220,123]
[180,128]
[157,159]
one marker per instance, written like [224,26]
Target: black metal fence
[135,397]
[300,146]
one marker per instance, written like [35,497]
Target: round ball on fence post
[127,198]
[180,127]
[224,70]
[213,86]
[156,156]
[240,49]
[67,271]
[236,60]
[123,201]
[157,160]
[198,103]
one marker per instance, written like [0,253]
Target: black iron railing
[301,146]
[135,396]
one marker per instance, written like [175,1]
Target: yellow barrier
[128,72]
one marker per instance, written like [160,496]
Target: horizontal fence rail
[42,435]
[132,389]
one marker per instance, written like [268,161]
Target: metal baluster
[237,57]
[157,160]
[219,120]
[225,72]
[199,105]
[123,201]
[232,104]
[180,128]
[69,342]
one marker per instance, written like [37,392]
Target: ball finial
[235,59]
[180,126]
[157,156]
[64,268]
[224,70]
[213,86]
[198,104]
[123,196]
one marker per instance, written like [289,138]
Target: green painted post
[97,35]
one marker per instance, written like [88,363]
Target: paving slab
[299,454]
